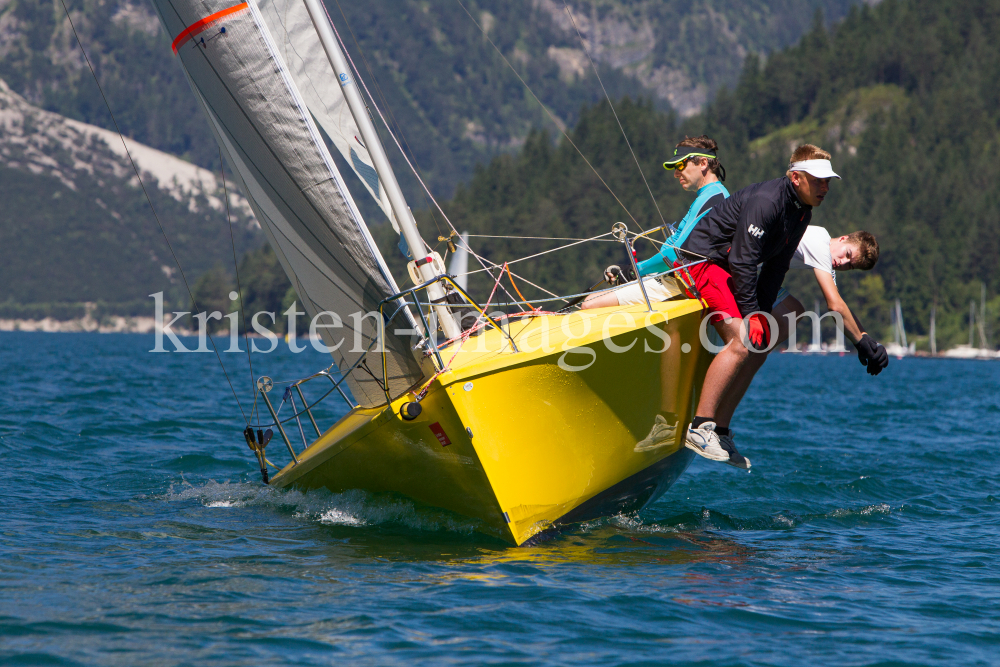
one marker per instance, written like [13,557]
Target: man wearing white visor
[759,226]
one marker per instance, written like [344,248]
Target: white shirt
[814,252]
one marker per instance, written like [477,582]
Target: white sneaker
[736,459]
[663,433]
[704,441]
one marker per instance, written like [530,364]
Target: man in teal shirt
[696,167]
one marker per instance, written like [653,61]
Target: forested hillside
[904,94]
[454,99]
[75,226]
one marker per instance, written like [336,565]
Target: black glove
[872,354]
[613,274]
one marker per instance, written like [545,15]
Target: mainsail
[268,136]
[293,32]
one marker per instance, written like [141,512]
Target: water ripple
[136,532]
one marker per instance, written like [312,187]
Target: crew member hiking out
[824,256]
[759,226]
[696,167]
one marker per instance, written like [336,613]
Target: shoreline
[87,324]
[116,324]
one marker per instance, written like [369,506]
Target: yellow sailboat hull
[585,420]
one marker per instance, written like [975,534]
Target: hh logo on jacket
[756,231]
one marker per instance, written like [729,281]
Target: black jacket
[761,224]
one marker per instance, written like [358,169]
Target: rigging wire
[537,238]
[608,98]
[378,89]
[150,201]
[545,252]
[239,286]
[546,110]
[482,261]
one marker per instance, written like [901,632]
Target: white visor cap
[817,168]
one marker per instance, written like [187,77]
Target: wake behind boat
[522,422]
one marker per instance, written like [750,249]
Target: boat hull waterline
[527,441]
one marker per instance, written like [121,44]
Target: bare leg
[727,407]
[724,370]
[606,300]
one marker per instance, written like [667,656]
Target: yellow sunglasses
[682,163]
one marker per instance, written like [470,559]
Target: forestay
[270,140]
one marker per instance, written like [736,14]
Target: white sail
[283,167]
[296,39]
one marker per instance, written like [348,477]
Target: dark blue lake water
[135,532]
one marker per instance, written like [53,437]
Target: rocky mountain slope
[455,100]
[75,225]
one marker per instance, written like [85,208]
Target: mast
[899,323]
[894,316]
[817,335]
[407,225]
[972,321]
[933,330]
[982,317]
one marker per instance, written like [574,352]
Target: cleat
[736,459]
[704,441]
[663,433]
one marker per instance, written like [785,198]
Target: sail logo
[755,231]
[343,79]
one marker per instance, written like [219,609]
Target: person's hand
[613,274]
[759,332]
[872,354]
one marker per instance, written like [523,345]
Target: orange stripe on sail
[198,26]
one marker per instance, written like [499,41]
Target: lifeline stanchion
[291,401]
[620,231]
[308,410]
[265,384]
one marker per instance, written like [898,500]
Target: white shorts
[657,289]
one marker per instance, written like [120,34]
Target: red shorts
[715,286]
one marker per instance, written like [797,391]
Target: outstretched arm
[852,325]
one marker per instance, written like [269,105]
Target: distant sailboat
[898,347]
[933,336]
[816,346]
[969,351]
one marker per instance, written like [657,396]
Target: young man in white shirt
[825,256]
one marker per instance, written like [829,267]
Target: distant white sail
[283,167]
[293,32]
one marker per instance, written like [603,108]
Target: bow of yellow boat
[585,419]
